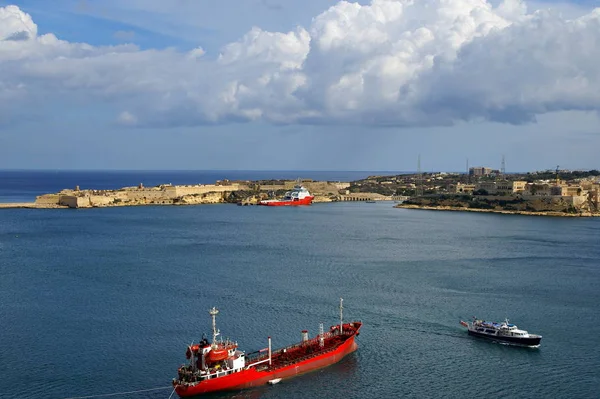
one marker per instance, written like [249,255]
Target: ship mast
[341,315]
[214,312]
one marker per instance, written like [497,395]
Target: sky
[299,84]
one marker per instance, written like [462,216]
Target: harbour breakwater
[245,192]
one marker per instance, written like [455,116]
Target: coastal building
[507,187]
[568,191]
[501,187]
[489,187]
[461,188]
[518,186]
[480,171]
[541,189]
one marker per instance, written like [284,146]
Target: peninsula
[223,191]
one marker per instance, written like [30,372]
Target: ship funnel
[304,335]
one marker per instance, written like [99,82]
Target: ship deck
[302,351]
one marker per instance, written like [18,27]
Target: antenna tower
[557,181]
[503,167]
[419,177]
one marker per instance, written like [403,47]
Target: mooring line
[120,393]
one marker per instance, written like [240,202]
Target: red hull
[254,377]
[303,201]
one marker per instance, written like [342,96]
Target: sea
[104,301]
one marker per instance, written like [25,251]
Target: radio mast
[419,178]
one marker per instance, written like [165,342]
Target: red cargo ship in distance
[298,196]
[221,366]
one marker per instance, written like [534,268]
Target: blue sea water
[100,301]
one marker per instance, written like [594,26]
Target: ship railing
[219,373]
[256,356]
[257,363]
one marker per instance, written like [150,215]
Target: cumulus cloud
[391,62]
[15,23]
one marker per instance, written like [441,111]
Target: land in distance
[548,192]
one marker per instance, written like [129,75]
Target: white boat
[275,381]
[504,332]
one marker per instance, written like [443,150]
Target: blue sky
[313,84]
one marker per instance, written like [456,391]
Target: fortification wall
[274,187]
[47,199]
[313,187]
[206,198]
[577,200]
[325,187]
[101,200]
[341,185]
[142,194]
[73,201]
[179,191]
[320,187]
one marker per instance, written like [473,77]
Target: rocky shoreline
[505,212]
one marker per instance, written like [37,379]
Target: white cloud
[196,53]
[15,23]
[392,62]
[126,118]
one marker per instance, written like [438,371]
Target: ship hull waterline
[529,341]
[253,378]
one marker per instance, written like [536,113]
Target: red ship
[220,366]
[298,196]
